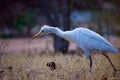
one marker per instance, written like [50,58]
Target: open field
[27,60]
[68,67]
[26,45]
[16,46]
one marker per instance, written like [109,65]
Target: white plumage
[89,40]
[86,39]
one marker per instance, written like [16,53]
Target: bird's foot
[90,70]
[116,71]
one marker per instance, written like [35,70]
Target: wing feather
[92,40]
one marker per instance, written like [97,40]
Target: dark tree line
[58,14]
[56,11]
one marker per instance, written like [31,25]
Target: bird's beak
[35,36]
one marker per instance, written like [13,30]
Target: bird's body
[86,39]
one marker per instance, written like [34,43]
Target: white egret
[86,39]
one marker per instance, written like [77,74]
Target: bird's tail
[113,49]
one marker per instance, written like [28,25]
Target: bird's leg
[110,63]
[90,59]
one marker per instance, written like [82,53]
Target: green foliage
[24,19]
[6,36]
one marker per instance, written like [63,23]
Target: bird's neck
[63,34]
[59,32]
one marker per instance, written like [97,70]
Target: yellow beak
[35,36]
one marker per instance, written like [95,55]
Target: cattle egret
[86,39]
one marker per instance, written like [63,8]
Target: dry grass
[29,65]
[69,67]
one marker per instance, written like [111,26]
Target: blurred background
[21,19]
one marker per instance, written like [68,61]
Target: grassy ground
[24,63]
[68,67]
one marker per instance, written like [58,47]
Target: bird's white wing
[91,40]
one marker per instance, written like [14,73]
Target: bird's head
[44,30]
